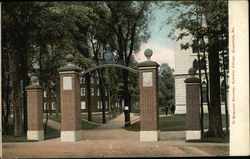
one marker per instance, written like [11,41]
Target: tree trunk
[5,95]
[100,74]
[88,93]
[15,80]
[126,98]
[58,97]
[201,95]
[225,92]
[215,120]
[49,100]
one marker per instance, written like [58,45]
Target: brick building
[96,103]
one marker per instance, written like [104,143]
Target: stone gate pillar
[35,110]
[149,112]
[70,101]
[193,131]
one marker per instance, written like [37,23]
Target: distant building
[96,103]
[185,59]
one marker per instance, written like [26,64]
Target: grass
[224,139]
[96,118]
[176,122]
[50,134]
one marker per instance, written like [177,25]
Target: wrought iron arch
[83,73]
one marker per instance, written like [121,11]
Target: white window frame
[83,105]
[92,90]
[106,92]
[53,105]
[82,91]
[44,94]
[92,80]
[97,80]
[98,92]
[106,104]
[44,106]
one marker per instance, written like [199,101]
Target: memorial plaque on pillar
[67,83]
[147,79]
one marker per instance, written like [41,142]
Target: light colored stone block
[67,83]
[149,136]
[147,79]
[193,135]
[71,136]
[35,135]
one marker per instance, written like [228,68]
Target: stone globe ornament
[70,59]
[34,80]
[192,78]
[148,63]
[70,64]
[148,53]
[192,71]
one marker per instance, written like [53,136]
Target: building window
[106,92]
[53,105]
[204,91]
[106,104]
[82,91]
[98,92]
[82,80]
[45,94]
[45,106]
[92,80]
[99,104]
[92,91]
[97,80]
[83,105]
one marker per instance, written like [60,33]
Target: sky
[159,42]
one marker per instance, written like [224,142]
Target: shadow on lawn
[50,134]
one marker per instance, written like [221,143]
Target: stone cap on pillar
[149,63]
[34,84]
[192,78]
[70,65]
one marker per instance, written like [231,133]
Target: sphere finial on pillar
[192,71]
[148,53]
[70,58]
[34,80]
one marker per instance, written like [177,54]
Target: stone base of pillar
[71,136]
[149,135]
[35,135]
[193,135]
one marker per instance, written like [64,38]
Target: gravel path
[113,141]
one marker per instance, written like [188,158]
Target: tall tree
[166,85]
[215,30]
[125,25]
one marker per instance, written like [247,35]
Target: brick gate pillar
[70,101]
[35,110]
[193,131]
[149,113]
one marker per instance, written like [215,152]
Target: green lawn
[176,122]
[50,134]
[96,118]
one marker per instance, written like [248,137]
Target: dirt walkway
[113,141]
